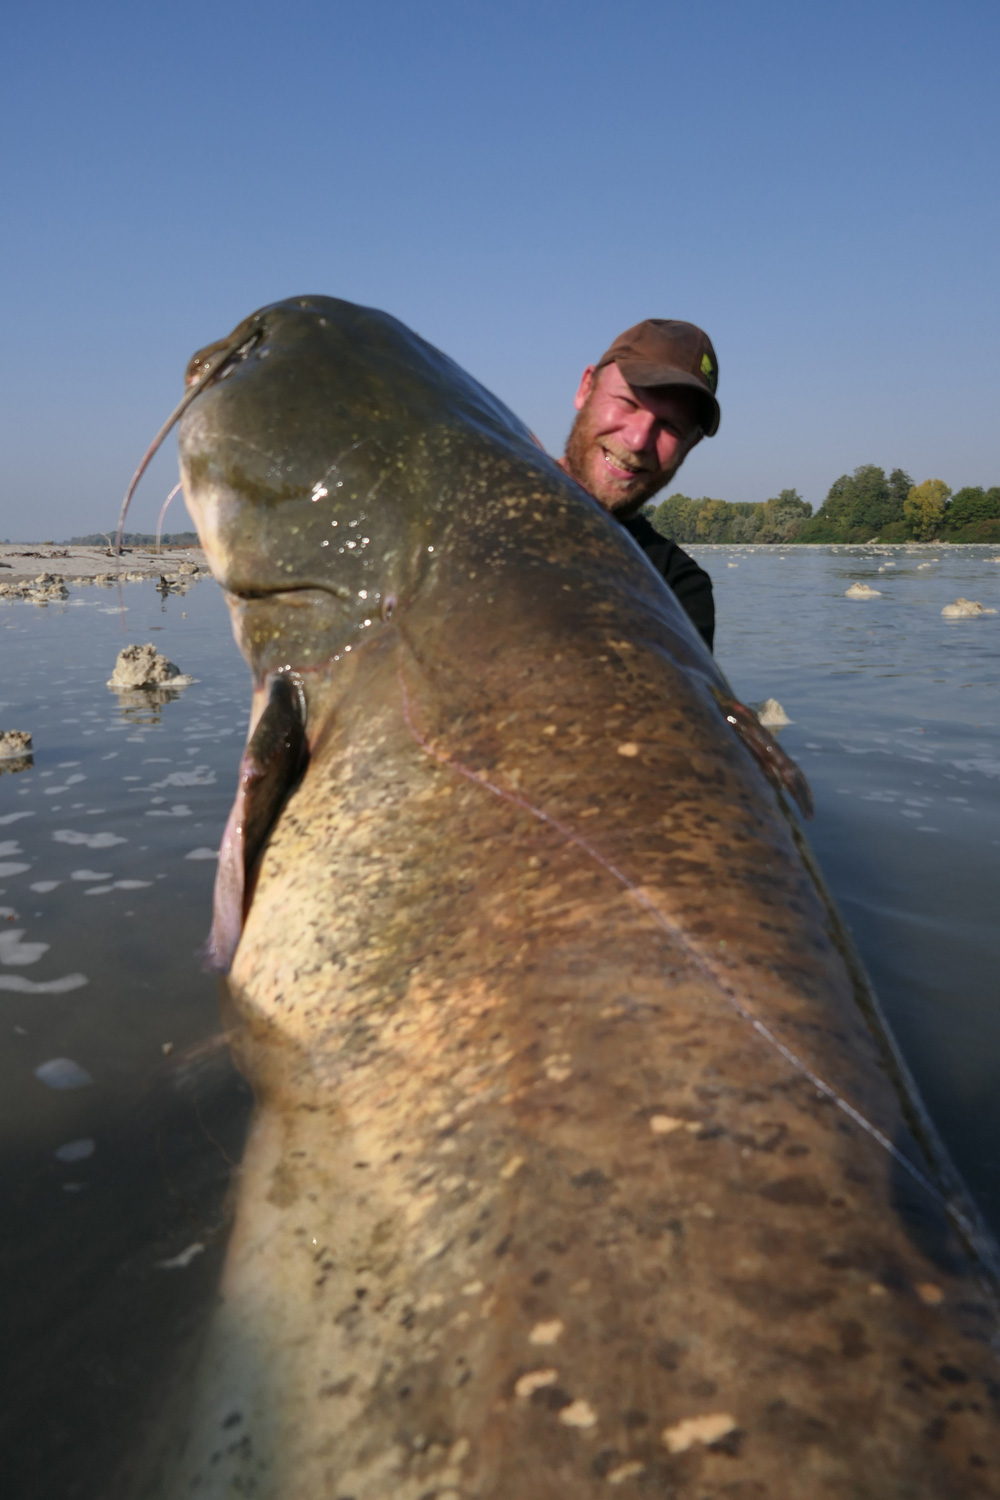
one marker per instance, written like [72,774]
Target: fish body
[582,1161]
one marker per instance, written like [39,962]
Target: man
[641,409]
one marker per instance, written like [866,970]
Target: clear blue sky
[814,183]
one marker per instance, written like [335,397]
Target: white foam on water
[88,840]
[13,951]
[200,776]
[44,886]
[13,817]
[90,875]
[202,854]
[984,767]
[63,1073]
[21,986]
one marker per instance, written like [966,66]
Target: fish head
[322,465]
[326,454]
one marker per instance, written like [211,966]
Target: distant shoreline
[64,562]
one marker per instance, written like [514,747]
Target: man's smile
[621,468]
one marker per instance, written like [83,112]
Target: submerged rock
[862,591]
[145,667]
[770,713]
[965,609]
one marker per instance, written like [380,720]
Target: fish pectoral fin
[777,766]
[272,764]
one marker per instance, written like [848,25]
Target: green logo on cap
[708,370]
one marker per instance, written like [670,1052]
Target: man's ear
[586,386]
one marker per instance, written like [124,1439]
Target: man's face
[628,441]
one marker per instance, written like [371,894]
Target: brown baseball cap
[665,351]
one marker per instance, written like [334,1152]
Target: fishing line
[675,933]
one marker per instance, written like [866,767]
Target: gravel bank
[40,571]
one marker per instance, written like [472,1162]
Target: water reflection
[142,705]
[14,763]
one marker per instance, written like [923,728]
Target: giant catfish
[582,1160]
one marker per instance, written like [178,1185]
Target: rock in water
[145,667]
[770,713]
[862,591]
[965,609]
[14,743]
[47,588]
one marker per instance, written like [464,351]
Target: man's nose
[639,431]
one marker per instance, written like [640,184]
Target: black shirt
[690,583]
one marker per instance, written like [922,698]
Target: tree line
[136,539]
[865,506]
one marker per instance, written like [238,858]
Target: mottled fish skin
[582,1162]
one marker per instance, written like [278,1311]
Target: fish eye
[243,352]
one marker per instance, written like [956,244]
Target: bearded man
[641,409]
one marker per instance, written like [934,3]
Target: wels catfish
[583,1162]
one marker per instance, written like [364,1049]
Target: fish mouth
[251,592]
[303,626]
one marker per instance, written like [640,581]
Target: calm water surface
[121,1116]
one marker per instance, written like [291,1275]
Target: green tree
[900,485]
[746,522]
[859,507]
[895,528]
[677,518]
[969,507]
[714,520]
[783,517]
[871,503]
[924,508]
[831,521]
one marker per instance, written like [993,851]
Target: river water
[121,1115]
